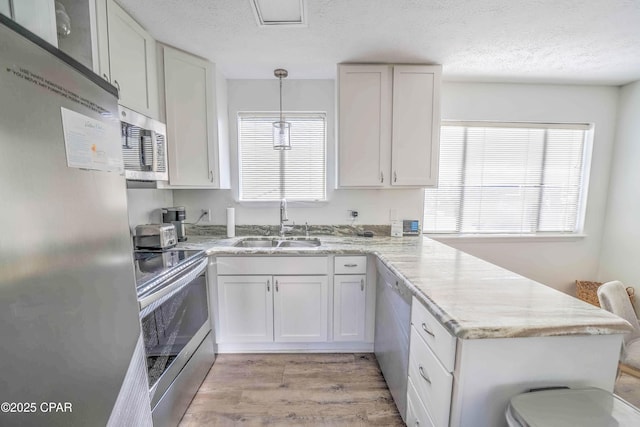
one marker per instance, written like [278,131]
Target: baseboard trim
[332,347]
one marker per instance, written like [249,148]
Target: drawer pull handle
[268,287]
[424,327]
[362,284]
[351,265]
[423,375]
[381,177]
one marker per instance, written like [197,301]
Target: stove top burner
[151,264]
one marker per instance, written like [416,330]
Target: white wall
[144,205]
[555,263]
[621,243]
[298,95]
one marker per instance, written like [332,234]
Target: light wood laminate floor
[307,389]
[628,388]
[293,389]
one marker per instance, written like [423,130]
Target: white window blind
[296,174]
[517,178]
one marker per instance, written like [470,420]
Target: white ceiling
[553,41]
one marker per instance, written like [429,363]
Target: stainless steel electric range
[174,313]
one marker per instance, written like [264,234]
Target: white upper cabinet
[37,16]
[130,60]
[415,140]
[197,124]
[364,104]
[5,8]
[389,125]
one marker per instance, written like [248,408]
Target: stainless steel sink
[307,243]
[277,243]
[255,243]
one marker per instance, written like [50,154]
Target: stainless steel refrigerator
[70,345]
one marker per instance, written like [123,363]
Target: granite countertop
[471,297]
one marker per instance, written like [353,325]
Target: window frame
[504,237]
[274,116]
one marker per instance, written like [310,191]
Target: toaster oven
[155,236]
[144,147]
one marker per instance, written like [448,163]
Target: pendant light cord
[281,100]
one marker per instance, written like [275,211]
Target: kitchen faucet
[283,218]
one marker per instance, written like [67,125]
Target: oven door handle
[152,301]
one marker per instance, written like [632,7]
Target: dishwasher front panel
[393,327]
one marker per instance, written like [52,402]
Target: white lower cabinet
[300,308]
[272,308]
[245,308]
[431,381]
[417,415]
[349,305]
[292,303]
[432,352]
[469,382]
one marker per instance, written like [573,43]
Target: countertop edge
[619,326]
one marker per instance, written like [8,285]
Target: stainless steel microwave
[144,147]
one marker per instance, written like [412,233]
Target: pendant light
[281,129]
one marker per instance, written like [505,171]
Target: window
[511,178]
[267,174]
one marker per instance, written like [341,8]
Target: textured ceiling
[554,41]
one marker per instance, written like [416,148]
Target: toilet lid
[590,407]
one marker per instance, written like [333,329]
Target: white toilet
[589,407]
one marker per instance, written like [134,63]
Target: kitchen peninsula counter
[471,297]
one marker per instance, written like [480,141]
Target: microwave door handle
[141,145]
[124,134]
[154,151]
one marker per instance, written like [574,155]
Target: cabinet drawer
[272,265]
[441,342]
[432,382]
[416,413]
[350,265]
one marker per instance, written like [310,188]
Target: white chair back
[613,297]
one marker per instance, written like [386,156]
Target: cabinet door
[5,8]
[37,16]
[416,125]
[349,300]
[245,305]
[364,125]
[132,62]
[102,39]
[300,308]
[191,119]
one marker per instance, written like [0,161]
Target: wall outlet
[206,215]
[353,214]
